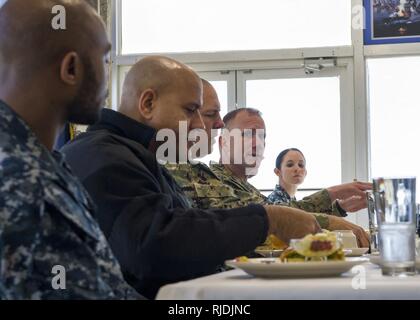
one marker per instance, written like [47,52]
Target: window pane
[221,88]
[394,116]
[219,25]
[304,114]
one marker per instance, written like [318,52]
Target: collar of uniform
[51,164]
[222,169]
[218,167]
[279,189]
[124,126]
[23,134]
[47,166]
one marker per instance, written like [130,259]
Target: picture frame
[391,21]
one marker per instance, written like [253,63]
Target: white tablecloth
[237,285]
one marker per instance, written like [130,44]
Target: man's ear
[71,69]
[146,103]
[277,172]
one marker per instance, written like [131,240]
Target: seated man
[155,234]
[220,187]
[49,77]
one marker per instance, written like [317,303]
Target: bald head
[163,94]
[28,40]
[50,75]
[160,74]
[206,83]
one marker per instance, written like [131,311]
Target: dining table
[363,282]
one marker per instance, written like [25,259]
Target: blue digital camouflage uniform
[279,195]
[45,221]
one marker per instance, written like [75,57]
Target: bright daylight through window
[218,25]
[292,110]
[394,116]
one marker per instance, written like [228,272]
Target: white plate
[274,268]
[355,252]
[269,253]
[376,259]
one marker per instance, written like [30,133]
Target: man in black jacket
[154,232]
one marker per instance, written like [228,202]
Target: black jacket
[155,234]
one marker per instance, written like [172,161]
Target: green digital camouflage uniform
[217,187]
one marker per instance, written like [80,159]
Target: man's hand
[337,223]
[289,223]
[348,190]
[353,204]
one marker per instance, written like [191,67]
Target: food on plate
[321,246]
[273,243]
[242,259]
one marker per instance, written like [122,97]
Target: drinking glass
[395,204]
[373,224]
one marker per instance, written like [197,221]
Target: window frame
[343,70]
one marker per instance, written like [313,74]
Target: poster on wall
[392,21]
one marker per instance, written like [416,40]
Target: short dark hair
[231,115]
[282,154]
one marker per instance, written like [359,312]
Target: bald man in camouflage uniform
[50,246]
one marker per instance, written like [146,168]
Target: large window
[394,116]
[163,26]
[303,113]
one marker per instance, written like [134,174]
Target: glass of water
[395,204]
[373,224]
[418,219]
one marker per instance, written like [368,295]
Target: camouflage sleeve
[337,210]
[182,175]
[44,257]
[317,202]
[322,219]
[205,190]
